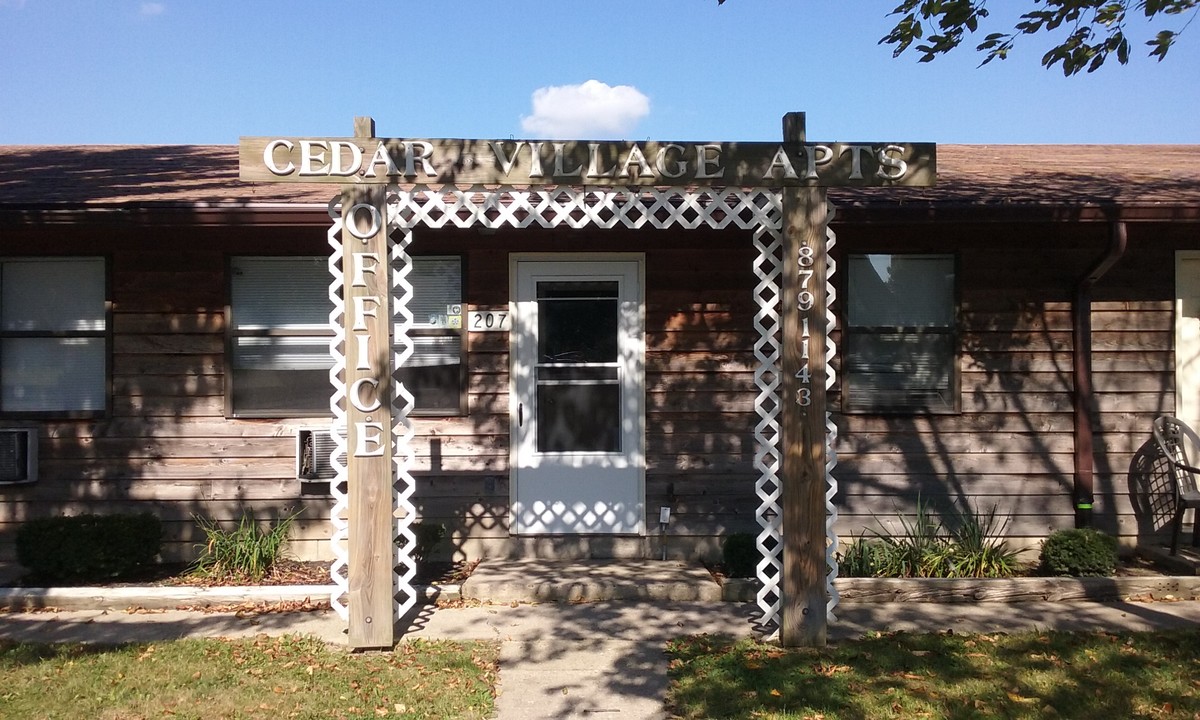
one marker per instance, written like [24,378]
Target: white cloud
[152,8]
[591,110]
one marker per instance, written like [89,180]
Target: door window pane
[578,379]
[577,322]
[579,418]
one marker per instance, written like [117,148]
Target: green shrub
[88,547]
[740,555]
[1081,552]
[428,536]
[245,553]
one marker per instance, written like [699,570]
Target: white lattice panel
[339,518]
[581,207]
[768,460]
[758,210]
[403,454]
[831,487]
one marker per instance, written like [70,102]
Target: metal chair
[1175,439]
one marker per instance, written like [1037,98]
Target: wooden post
[802,592]
[366,271]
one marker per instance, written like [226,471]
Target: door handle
[520,414]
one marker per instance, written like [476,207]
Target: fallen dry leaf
[251,609]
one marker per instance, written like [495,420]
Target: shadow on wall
[164,445]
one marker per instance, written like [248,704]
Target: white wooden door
[1187,337]
[577,396]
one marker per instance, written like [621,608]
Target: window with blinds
[901,340]
[54,336]
[279,337]
[435,373]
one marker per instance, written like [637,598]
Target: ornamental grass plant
[979,551]
[969,547]
[920,550]
[245,553]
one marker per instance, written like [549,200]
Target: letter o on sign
[351,221]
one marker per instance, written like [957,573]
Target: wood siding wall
[169,449]
[1012,445]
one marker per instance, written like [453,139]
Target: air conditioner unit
[313,448]
[18,455]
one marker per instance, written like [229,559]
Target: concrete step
[1185,561]
[589,580]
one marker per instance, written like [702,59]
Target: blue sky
[210,71]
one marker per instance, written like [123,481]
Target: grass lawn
[263,677]
[1027,675]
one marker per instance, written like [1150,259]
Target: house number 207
[489,321]
[805,302]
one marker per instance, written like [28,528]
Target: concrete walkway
[593,659]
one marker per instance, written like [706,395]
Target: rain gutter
[1084,397]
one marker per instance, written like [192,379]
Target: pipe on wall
[1083,398]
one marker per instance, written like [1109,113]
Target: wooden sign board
[346,161]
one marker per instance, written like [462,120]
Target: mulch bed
[284,572]
[1131,566]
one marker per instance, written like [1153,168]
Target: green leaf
[1161,44]
[1095,29]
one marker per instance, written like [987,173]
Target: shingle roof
[1160,179]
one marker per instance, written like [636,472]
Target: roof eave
[308,214]
[170,214]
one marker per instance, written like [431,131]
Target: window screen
[901,340]
[279,349]
[434,374]
[53,335]
[279,344]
